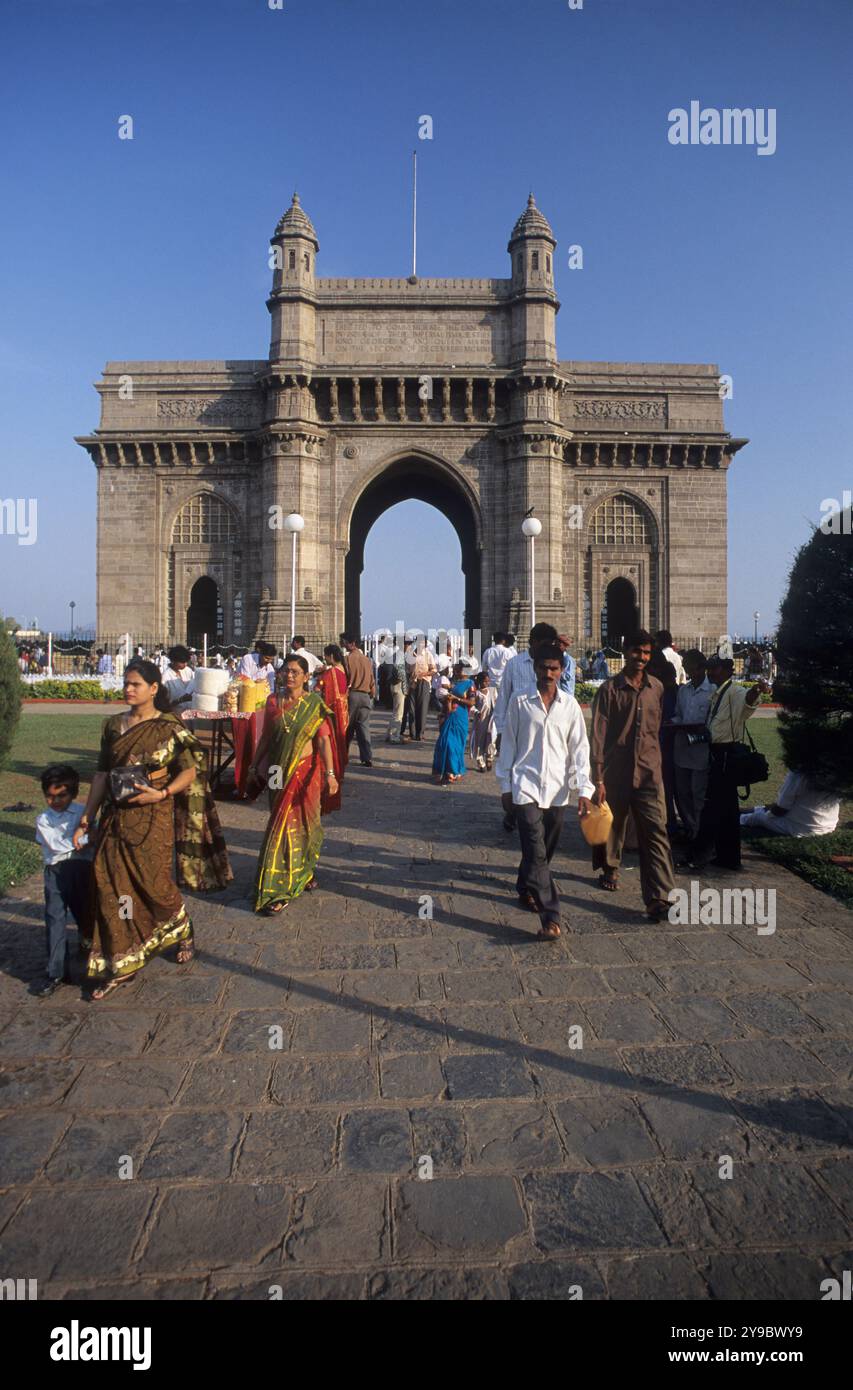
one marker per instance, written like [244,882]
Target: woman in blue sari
[448,763]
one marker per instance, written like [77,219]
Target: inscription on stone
[210,410]
[597,409]
[445,340]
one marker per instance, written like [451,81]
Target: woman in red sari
[294,757]
[331,683]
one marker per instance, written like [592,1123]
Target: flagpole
[414,213]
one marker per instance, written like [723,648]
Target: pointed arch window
[534,261]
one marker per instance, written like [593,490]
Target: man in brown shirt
[361,684]
[625,765]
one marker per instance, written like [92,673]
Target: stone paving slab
[395,1092]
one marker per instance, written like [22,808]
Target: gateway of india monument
[375,391]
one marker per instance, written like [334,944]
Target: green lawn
[42,738]
[58,735]
[810,858]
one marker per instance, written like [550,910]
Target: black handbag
[126,782]
[745,765]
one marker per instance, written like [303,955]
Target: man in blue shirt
[567,678]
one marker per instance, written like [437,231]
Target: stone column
[356,398]
[289,483]
[445,398]
[333,399]
[401,398]
[535,444]
[377,386]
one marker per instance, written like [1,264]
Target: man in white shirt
[691,753]
[544,757]
[249,665]
[519,675]
[496,657]
[470,662]
[298,648]
[420,683]
[663,640]
[251,662]
[178,678]
[519,678]
[444,661]
[801,808]
[266,666]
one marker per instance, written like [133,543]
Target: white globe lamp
[531,527]
[294,523]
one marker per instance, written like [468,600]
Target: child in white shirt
[67,872]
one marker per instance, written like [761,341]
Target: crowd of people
[660,767]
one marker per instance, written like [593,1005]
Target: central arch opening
[421,480]
[203,612]
[621,614]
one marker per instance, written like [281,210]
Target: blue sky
[157,247]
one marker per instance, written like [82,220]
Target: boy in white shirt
[67,872]
[178,678]
[298,648]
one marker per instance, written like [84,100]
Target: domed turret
[296,222]
[295,247]
[531,247]
[293,253]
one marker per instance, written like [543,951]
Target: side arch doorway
[621,615]
[420,479]
[203,612]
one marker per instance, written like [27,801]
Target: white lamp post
[756,615]
[294,524]
[532,528]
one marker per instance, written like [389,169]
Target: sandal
[609,882]
[311,886]
[274,909]
[549,932]
[186,951]
[103,990]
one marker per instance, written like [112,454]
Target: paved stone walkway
[400,1040]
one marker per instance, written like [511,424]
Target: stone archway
[620,616]
[412,478]
[203,612]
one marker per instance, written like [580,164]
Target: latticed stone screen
[619,521]
[204,520]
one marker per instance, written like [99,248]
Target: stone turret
[292,302]
[531,248]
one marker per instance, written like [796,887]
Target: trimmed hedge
[10,700]
[69,690]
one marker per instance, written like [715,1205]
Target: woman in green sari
[137,908]
[294,757]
